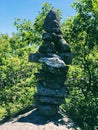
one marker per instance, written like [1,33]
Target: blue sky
[28,9]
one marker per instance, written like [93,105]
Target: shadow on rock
[35,118]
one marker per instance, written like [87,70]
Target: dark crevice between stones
[55,56]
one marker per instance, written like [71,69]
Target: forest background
[17,80]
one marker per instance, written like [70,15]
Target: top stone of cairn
[52,22]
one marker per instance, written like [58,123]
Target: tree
[81,31]
[17,75]
[17,80]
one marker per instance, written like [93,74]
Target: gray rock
[52,37]
[48,110]
[47,47]
[60,93]
[50,78]
[55,37]
[55,71]
[34,57]
[53,85]
[51,100]
[62,46]
[47,37]
[54,55]
[66,57]
[51,23]
[53,62]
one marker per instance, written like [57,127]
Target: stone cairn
[55,56]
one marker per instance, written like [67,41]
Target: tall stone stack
[55,56]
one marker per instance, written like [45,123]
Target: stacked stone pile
[55,55]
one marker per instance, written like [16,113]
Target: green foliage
[38,24]
[27,33]
[81,31]
[17,81]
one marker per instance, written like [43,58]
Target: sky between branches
[28,9]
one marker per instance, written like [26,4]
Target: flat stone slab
[43,91]
[51,100]
[32,120]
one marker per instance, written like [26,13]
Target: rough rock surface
[55,56]
[32,120]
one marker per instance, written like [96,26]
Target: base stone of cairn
[55,56]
